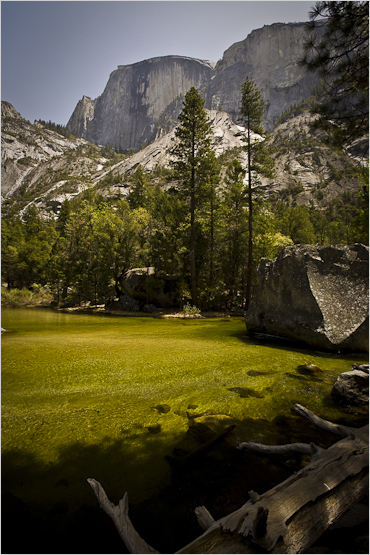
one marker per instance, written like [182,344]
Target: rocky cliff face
[270,57]
[306,169]
[224,136]
[40,166]
[128,112]
[141,98]
[25,147]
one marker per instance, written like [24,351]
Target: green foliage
[58,128]
[190,310]
[14,298]
[196,168]
[94,240]
[253,107]
[337,48]
[26,161]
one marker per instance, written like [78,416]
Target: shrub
[13,298]
[190,310]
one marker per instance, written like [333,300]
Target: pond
[107,397]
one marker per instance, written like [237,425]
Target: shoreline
[159,313]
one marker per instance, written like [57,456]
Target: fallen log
[290,517]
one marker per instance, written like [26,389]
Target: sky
[53,53]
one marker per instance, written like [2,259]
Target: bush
[190,310]
[14,298]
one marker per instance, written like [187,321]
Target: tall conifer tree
[252,110]
[192,156]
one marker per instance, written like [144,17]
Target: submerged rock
[258,373]
[162,409]
[309,369]
[318,295]
[312,372]
[154,429]
[246,392]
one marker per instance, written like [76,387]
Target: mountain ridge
[41,167]
[128,113]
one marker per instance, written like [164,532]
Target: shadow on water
[54,507]
[63,515]
[282,343]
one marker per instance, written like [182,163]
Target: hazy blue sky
[53,53]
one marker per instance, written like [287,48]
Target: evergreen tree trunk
[212,233]
[250,226]
[193,270]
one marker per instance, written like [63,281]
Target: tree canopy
[337,48]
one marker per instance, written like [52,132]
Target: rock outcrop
[25,147]
[141,99]
[270,57]
[306,169]
[351,388]
[128,113]
[318,295]
[224,135]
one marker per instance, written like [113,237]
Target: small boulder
[154,429]
[128,304]
[351,388]
[149,308]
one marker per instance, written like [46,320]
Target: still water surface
[79,391]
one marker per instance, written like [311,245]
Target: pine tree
[192,156]
[234,207]
[252,110]
[337,48]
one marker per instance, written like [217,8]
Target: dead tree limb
[289,449]
[204,518]
[343,431]
[293,515]
[290,517]
[119,515]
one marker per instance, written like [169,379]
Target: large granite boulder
[318,295]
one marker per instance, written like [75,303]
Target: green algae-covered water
[79,394]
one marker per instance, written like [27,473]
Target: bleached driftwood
[204,518]
[289,449]
[343,431]
[288,518]
[119,515]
